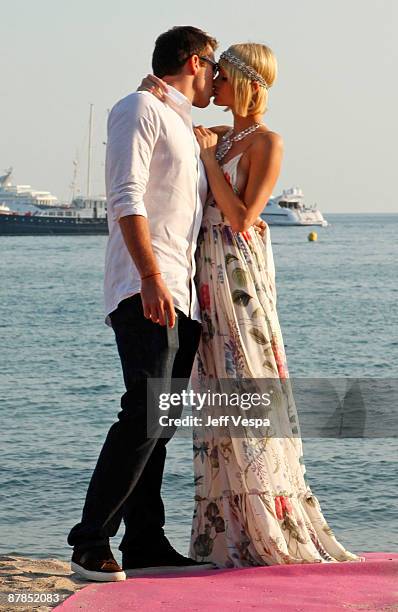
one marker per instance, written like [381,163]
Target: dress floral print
[253,505]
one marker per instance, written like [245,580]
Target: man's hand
[155,296]
[260,226]
[157,301]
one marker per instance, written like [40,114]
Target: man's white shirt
[153,168]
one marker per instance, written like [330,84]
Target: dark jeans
[127,479]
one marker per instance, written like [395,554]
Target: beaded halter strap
[227,140]
[243,67]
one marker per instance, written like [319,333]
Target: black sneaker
[164,560]
[98,564]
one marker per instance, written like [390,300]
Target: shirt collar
[178,101]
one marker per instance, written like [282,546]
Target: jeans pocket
[129,309]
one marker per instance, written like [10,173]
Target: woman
[253,505]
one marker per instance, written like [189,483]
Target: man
[156,187]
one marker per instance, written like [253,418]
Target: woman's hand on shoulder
[154,85]
[220,130]
[207,140]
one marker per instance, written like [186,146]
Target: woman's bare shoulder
[264,142]
[271,137]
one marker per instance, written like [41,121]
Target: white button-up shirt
[153,168]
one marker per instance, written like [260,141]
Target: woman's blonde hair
[262,59]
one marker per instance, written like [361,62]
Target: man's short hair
[174,47]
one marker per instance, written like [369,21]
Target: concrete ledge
[370,585]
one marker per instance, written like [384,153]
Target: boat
[23,198]
[4,210]
[27,212]
[83,216]
[289,209]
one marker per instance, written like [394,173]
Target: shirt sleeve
[133,129]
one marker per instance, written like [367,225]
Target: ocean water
[61,380]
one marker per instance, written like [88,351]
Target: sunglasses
[212,63]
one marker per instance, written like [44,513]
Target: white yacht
[22,198]
[289,209]
[82,216]
[27,212]
[80,208]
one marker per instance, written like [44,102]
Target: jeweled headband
[245,68]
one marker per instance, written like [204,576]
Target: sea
[61,380]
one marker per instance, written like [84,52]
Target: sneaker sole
[97,576]
[177,569]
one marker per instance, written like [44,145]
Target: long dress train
[253,505]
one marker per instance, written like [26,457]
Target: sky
[334,102]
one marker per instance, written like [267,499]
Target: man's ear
[193,63]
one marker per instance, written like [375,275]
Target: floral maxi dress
[253,505]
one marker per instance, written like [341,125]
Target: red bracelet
[150,275]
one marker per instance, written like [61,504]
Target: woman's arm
[154,85]
[264,158]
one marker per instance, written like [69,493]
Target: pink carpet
[370,585]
